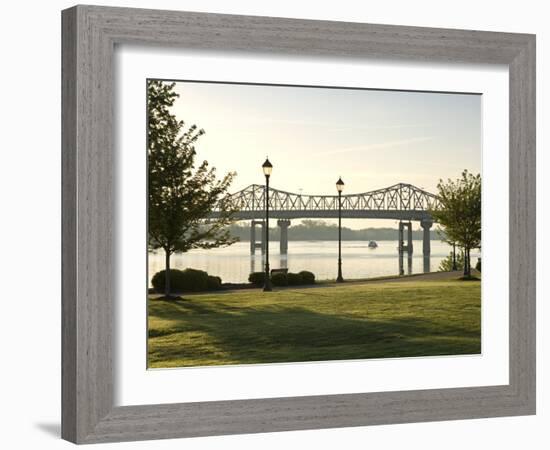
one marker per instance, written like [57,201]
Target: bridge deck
[414,215]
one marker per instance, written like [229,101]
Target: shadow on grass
[201,332]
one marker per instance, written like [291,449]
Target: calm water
[234,263]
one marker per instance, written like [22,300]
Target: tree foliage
[459,213]
[181,194]
[446,265]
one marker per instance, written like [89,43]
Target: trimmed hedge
[279,279]
[294,279]
[257,278]
[214,283]
[307,277]
[188,280]
[177,278]
[283,279]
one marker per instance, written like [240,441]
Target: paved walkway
[432,276]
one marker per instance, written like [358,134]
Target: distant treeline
[319,230]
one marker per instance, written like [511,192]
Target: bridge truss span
[401,201]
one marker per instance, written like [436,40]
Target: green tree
[455,260]
[446,265]
[459,213]
[181,195]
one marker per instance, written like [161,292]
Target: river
[234,263]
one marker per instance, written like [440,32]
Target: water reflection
[234,263]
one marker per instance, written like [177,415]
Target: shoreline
[430,276]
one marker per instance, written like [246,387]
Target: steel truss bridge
[403,202]
[400,202]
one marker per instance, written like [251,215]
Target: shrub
[158,280]
[283,278]
[257,278]
[307,277]
[294,279]
[279,279]
[214,283]
[182,280]
[195,280]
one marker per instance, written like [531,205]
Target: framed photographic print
[278,224]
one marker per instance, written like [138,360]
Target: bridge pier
[253,244]
[283,224]
[426,224]
[405,248]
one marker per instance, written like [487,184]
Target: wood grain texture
[523,224]
[89,36]
[68,227]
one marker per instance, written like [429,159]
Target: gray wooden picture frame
[90,34]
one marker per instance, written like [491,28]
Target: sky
[372,139]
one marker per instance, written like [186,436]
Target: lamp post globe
[339,188]
[267,168]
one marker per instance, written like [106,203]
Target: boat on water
[373,244]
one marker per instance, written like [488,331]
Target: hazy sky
[372,139]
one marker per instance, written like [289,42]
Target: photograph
[294,224]
[265,225]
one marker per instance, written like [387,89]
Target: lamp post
[340,188]
[267,168]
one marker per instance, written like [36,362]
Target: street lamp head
[267,167]
[340,185]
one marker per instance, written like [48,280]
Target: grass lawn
[393,319]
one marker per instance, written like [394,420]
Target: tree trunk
[167,274]
[467,271]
